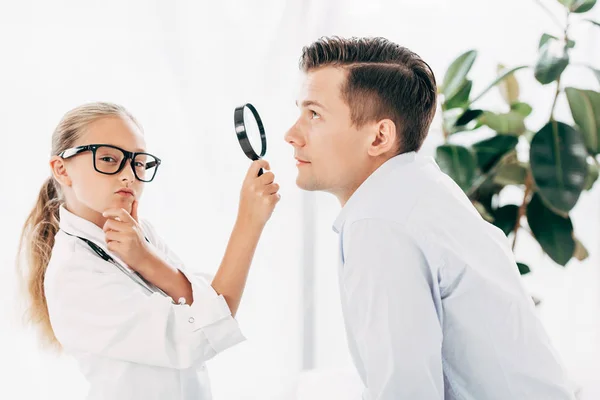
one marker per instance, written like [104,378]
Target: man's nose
[294,137]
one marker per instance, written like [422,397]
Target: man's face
[331,152]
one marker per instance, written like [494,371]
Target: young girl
[102,284]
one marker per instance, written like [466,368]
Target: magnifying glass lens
[252,131]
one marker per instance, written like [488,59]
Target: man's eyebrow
[307,103]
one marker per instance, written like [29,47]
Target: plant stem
[522,208]
[444,131]
[555,98]
[550,13]
[566,40]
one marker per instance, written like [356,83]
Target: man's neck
[344,194]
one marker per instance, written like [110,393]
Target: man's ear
[385,139]
[59,170]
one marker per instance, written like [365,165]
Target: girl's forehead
[120,132]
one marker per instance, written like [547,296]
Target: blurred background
[181,67]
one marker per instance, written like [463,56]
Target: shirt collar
[373,181]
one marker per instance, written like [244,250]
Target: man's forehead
[321,85]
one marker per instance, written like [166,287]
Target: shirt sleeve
[391,313]
[104,313]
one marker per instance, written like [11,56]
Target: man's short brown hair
[384,80]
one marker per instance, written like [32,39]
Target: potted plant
[560,160]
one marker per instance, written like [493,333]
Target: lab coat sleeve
[219,335]
[105,314]
[391,312]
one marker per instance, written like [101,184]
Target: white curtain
[181,67]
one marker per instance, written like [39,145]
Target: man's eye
[314,115]
[107,159]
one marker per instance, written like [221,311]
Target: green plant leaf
[509,87]
[459,163]
[522,108]
[545,38]
[552,231]
[511,174]
[585,108]
[593,22]
[489,151]
[511,123]
[449,118]
[505,218]
[468,116]
[461,98]
[457,120]
[549,66]
[558,164]
[592,175]
[483,211]
[567,3]
[486,193]
[523,268]
[457,73]
[582,6]
[578,6]
[497,81]
[467,121]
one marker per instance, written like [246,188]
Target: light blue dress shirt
[432,298]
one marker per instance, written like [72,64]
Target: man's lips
[300,161]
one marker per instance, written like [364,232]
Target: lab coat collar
[75,225]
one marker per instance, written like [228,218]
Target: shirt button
[191,320]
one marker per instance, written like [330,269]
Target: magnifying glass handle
[260,172]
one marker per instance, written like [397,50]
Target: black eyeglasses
[111,160]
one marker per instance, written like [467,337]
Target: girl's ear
[59,170]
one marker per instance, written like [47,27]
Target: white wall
[181,67]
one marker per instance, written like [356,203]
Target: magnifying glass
[250,132]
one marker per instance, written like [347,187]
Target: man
[432,300]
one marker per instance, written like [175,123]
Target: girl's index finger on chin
[117,213]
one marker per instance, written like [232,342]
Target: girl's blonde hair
[37,236]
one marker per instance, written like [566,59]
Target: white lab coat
[130,344]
